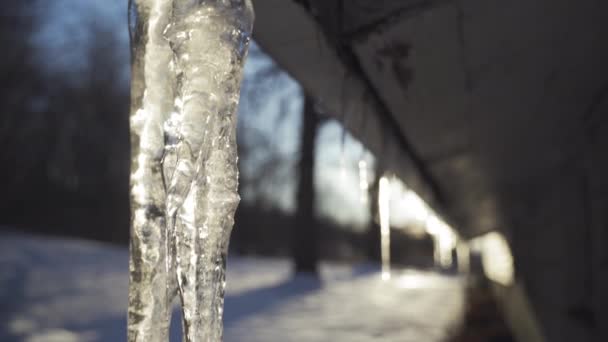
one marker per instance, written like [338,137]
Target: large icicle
[188,57]
[151,100]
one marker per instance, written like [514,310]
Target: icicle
[151,95]
[385,237]
[188,57]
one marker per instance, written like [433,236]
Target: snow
[70,290]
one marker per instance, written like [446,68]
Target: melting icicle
[385,231]
[188,57]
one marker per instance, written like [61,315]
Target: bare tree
[265,166]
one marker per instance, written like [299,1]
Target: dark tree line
[64,136]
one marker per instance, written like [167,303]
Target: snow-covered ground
[54,290]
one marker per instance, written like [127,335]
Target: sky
[65,30]
[337,152]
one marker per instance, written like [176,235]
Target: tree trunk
[305,236]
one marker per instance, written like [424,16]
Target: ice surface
[188,57]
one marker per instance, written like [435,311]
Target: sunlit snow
[69,290]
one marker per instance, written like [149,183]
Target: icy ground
[54,290]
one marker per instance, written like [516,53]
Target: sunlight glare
[445,240]
[413,281]
[363,181]
[496,257]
